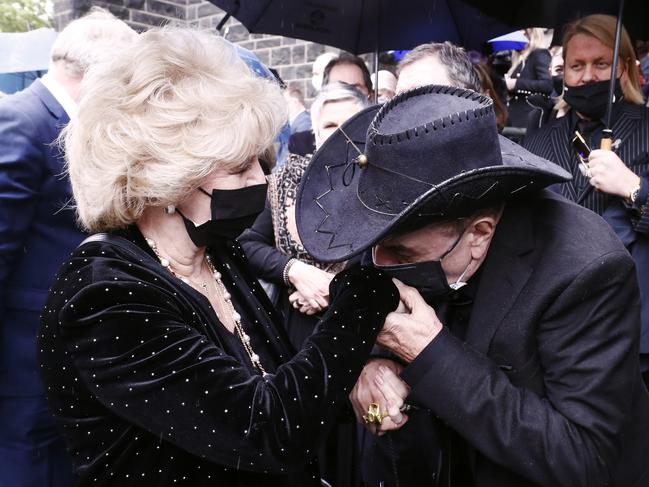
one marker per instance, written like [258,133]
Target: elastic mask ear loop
[459,283]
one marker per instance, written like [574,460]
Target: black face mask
[233,210]
[557,84]
[591,99]
[427,277]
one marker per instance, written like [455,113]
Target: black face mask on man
[232,210]
[591,99]
[427,277]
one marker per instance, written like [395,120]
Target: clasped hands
[406,332]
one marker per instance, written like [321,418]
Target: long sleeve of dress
[258,242]
[141,351]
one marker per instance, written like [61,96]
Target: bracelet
[287,268]
[643,193]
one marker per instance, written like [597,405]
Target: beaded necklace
[225,297]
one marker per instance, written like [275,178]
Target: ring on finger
[374,414]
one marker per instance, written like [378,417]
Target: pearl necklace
[225,297]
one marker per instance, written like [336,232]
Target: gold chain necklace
[225,297]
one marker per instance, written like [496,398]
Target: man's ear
[482,230]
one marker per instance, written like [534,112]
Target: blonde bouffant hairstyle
[159,119]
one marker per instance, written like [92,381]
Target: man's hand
[610,175]
[412,327]
[379,383]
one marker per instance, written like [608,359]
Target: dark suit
[631,127]
[547,389]
[36,235]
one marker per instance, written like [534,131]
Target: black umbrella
[634,14]
[360,26]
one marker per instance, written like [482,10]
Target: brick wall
[291,57]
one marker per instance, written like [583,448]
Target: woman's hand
[312,287]
[510,82]
[409,329]
[379,383]
[607,173]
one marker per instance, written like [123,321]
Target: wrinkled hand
[610,175]
[379,383]
[409,329]
[312,287]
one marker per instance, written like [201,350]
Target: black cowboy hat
[433,153]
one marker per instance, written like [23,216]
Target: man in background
[298,116]
[37,232]
[349,69]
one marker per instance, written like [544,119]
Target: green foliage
[23,15]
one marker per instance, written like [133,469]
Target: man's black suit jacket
[547,389]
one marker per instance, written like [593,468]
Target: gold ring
[374,415]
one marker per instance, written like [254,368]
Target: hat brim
[334,224]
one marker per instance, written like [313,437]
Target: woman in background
[528,75]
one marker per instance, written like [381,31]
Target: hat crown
[413,112]
[423,138]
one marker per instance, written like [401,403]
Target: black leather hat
[432,152]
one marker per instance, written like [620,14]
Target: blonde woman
[161,357]
[528,75]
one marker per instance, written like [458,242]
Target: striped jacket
[631,141]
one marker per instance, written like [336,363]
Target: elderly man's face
[350,74]
[425,71]
[332,116]
[428,244]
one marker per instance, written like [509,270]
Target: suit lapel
[625,130]
[559,135]
[505,273]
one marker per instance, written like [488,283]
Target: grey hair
[98,36]
[458,65]
[337,91]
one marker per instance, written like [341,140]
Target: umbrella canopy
[557,13]
[360,27]
[515,41]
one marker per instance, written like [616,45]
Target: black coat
[532,77]
[631,128]
[152,390]
[546,390]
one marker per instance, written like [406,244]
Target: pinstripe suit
[631,128]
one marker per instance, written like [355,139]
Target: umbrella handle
[607,140]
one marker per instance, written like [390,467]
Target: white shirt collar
[61,95]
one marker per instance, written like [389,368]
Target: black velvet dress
[151,389]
